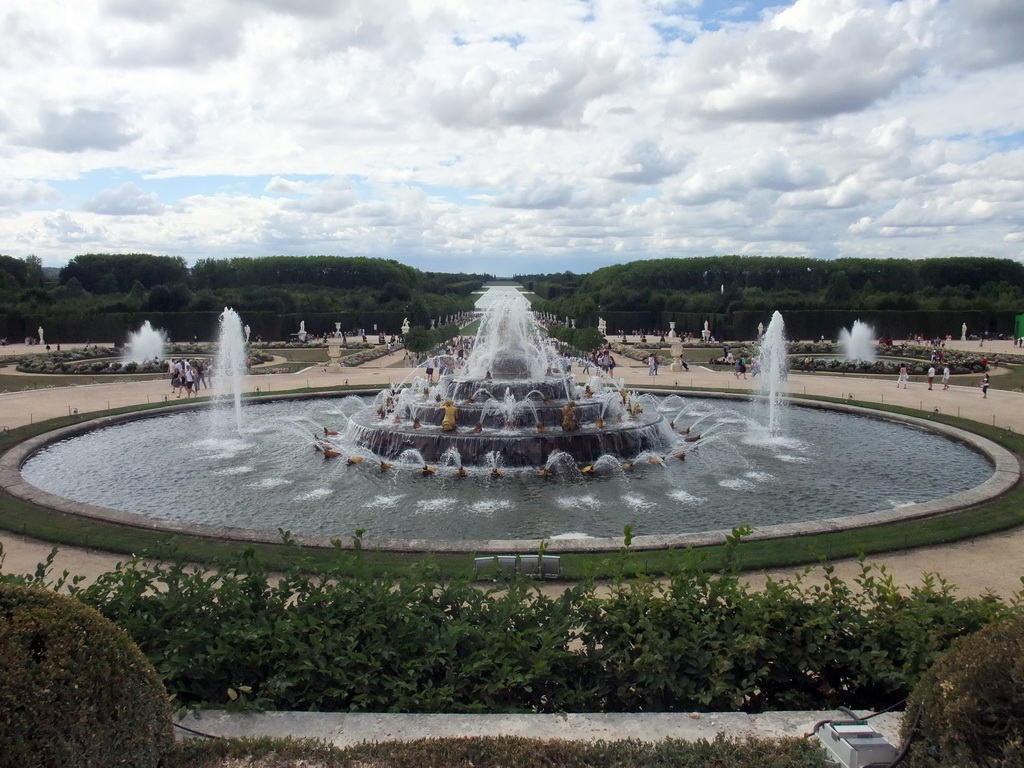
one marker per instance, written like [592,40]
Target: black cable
[905,749]
[853,716]
[890,708]
[197,733]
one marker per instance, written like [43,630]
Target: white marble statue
[41,341]
[963,332]
[248,330]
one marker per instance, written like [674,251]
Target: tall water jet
[771,355]
[229,364]
[146,345]
[858,343]
[512,405]
[510,344]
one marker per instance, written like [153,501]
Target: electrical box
[856,745]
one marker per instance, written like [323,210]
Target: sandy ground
[991,564]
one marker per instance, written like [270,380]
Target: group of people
[904,376]
[450,361]
[602,359]
[189,377]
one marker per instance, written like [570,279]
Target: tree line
[727,284]
[732,291]
[101,283]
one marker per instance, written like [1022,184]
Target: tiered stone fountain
[511,405]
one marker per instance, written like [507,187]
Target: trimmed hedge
[694,642]
[74,689]
[971,702]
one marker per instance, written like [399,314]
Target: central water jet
[513,405]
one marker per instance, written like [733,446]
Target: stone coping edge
[1006,476]
[350,729]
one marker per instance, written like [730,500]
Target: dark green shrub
[75,690]
[971,702]
[237,638]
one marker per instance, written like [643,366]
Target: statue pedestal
[676,349]
[334,355]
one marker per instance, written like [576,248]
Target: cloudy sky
[513,136]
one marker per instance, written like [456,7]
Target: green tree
[33,271]
[418,340]
[168,298]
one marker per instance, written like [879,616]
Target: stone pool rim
[1005,476]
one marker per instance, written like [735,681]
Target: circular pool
[194,470]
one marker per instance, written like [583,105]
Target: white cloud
[126,200]
[77,130]
[191,34]
[569,134]
[813,59]
[984,33]
[19,193]
[60,226]
[553,90]
[646,162]
[544,195]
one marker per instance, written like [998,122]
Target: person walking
[904,376]
[945,376]
[931,375]
[984,386]
[191,387]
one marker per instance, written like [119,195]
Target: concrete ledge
[345,730]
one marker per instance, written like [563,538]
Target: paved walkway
[963,398]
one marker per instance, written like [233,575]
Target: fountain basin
[672,503]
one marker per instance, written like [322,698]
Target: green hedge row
[693,642]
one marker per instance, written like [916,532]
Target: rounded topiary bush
[74,689]
[971,702]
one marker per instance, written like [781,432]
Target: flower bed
[364,356]
[99,361]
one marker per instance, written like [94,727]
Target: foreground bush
[971,702]
[74,688]
[694,642]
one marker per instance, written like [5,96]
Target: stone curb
[348,729]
